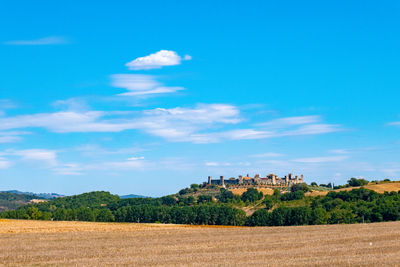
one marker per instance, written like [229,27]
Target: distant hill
[11,201]
[40,195]
[132,196]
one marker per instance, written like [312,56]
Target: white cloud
[9,139]
[290,121]
[4,163]
[339,151]
[140,85]
[51,40]
[48,157]
[64,122]
[217,164]
[135,158]
[68,169]
[395,123]
[267,155]
[314,129]
[7,104]
[11,136]
[200,124]
[157,60]
[321,159]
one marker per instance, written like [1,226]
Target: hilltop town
[270,181]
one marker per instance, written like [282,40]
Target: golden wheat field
[43,243]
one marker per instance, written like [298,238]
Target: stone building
[270,180]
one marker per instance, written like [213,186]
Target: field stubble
[93,244]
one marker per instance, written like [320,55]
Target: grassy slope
[379,188]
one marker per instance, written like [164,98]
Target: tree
[225,195]
[319,216]
[252,195]
[300,187]
[105,215]
[260,218]
[194,187]
[292,195]
[314,184]
[85,214]
[357,182]
[168,200]
[204,199]
[34,213]
[269,202]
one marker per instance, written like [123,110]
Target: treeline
[104,207]
[355,206]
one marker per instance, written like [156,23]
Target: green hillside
[10,201]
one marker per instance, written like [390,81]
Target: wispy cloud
[197,124]
[290,121]
[48,157]
[157,60]
[4,163]
[51,40]
[11,136]
[321,159]
[267,155]
[394,123]
[141,85]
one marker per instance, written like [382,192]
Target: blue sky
[148,97]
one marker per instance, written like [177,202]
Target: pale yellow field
[39,243]
[240,191]
[379,188]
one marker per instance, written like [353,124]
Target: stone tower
[222,182]
[240,179]
[209,180]
[273,179]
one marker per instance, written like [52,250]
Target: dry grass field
[240,191]
[379,188]
[46,243]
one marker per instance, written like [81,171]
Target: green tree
[319,216]
[204,199]
[357,182]
[105,215]
[251,195]
[300,187]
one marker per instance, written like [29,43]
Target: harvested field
[240,191]
[379,188]
[97,244]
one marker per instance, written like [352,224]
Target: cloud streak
[181,124]
[50,40]
[141,85]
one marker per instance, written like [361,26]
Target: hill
[39,195]
[132,196]
[11,201]
[380,187]
[213,205]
